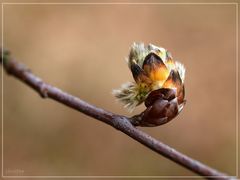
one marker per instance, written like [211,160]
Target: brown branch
[119,122]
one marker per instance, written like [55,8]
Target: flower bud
[159,82]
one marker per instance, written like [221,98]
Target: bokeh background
[81,49]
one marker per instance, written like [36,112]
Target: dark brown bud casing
[162,106]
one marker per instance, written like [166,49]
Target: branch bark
[121,123]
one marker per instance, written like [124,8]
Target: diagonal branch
[119,122]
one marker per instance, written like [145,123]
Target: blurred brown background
[81,49]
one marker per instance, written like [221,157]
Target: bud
[159,82]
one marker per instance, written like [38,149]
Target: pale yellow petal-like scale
[159,74]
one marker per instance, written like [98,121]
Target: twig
[119,122]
